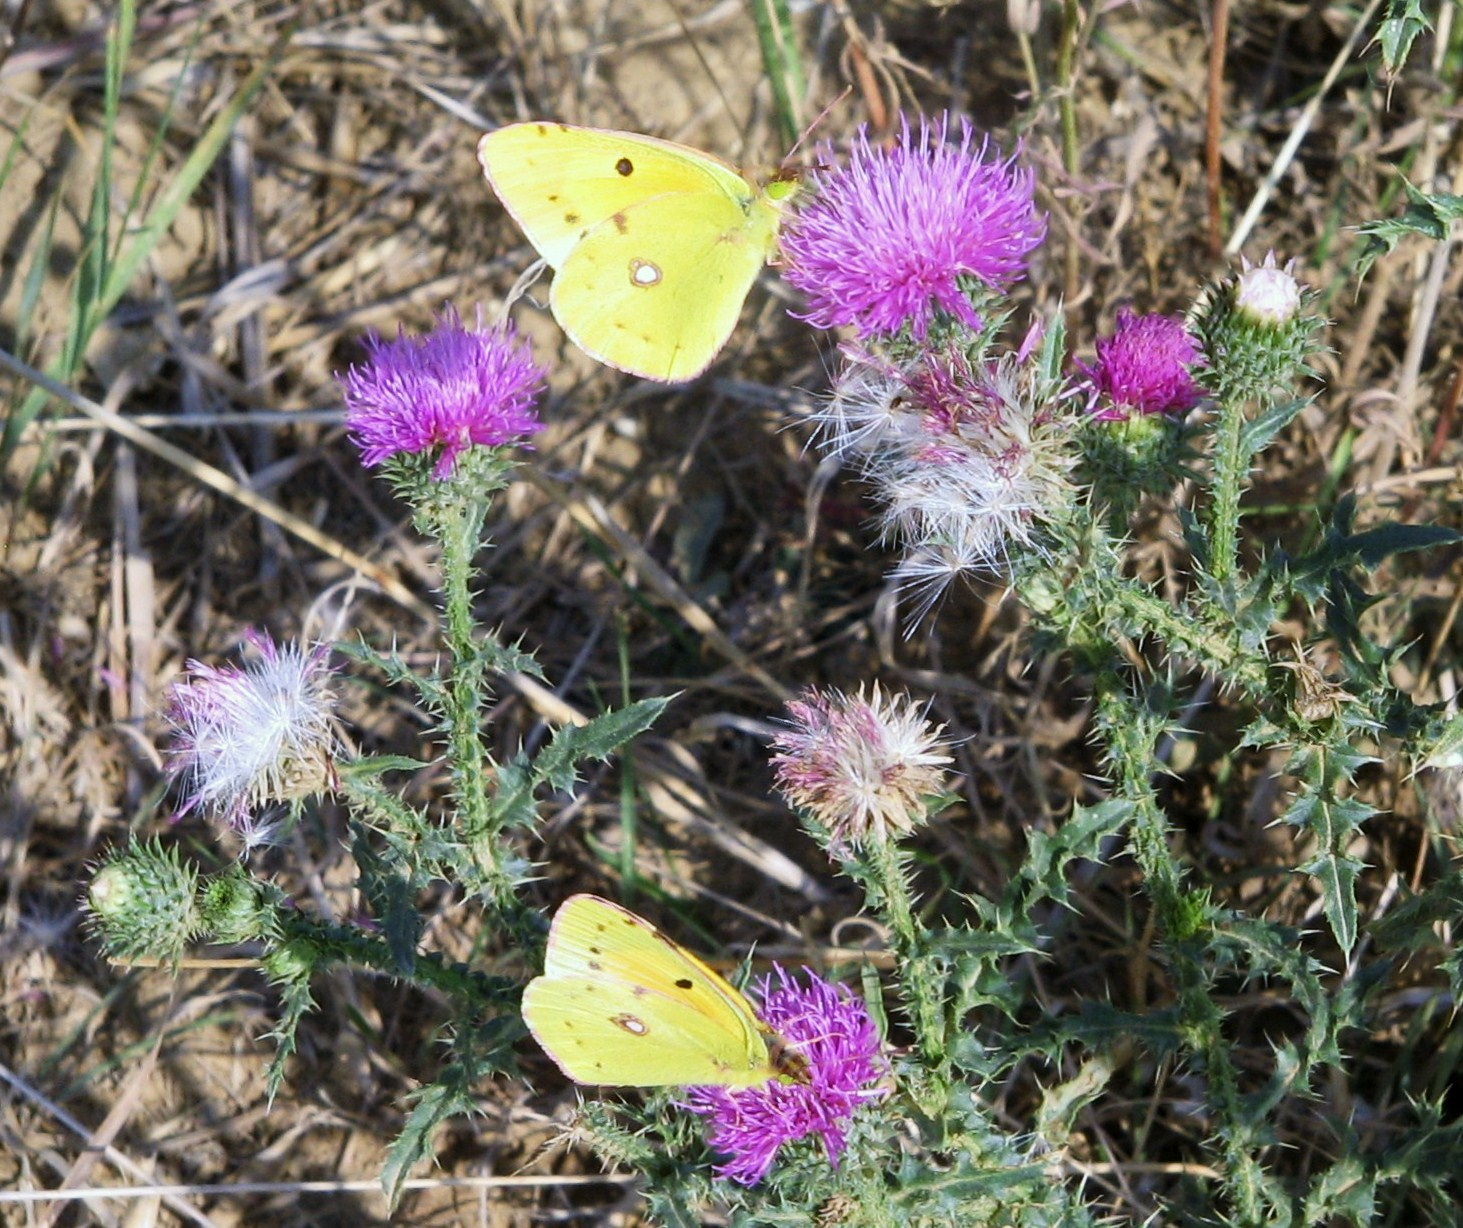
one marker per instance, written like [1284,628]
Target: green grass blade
[783,65]
[103,279]
[175,196]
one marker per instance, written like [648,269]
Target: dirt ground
[348,198]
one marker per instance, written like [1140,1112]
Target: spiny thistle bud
[235,908]
[142,904]
[1268,295]
[290,962]
[1256,330]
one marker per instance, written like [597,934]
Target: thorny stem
[458,523]
[1228,483]
[1181,915]
[924,992]
[348,944]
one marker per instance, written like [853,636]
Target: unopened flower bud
[1268,295]
[1255,330]
[235,908]
[142,904]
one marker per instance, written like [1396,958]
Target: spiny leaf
[1426,214]
[391,886]
[1398,30]
[598,739]
[450,1096]
[1337,878]
[1260,430]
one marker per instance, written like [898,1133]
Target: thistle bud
[235,908]
[142,904]
[1256,330]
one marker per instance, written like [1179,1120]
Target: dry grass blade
[104,1150]
[677,542]
[217,480]
[1361,25]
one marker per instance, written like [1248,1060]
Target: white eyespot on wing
[644,273]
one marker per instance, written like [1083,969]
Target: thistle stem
[1228,484]
[457,523]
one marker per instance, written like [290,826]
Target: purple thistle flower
[829,1027]
[249,736]
[453,389]
[897,235]
[1143,368]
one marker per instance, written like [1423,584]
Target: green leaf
[1263,949]
[448,1097]
[502,658]
[370,767]
[1426,215]
[1398,30]
[1373,547]
[597,739]
[1337,877]
[1257,433]
[1100,1025]
[512,803]
[1043,875]
[289,965]
[1411,924]
[1051,359]
[1344,1190]
[390,886]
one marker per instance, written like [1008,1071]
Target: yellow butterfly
[620,1004]
[654,245]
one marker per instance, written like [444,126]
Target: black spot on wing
[625,167]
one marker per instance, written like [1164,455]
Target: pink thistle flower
[831,1029]
[452,389]
[864,768]
[899,235]
[1143,368]
[249,736]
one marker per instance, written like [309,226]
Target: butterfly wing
[621,1004]
[655,245]
[657,289]
[559,182]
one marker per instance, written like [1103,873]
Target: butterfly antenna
[817,119]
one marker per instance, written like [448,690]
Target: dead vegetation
[669,541]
